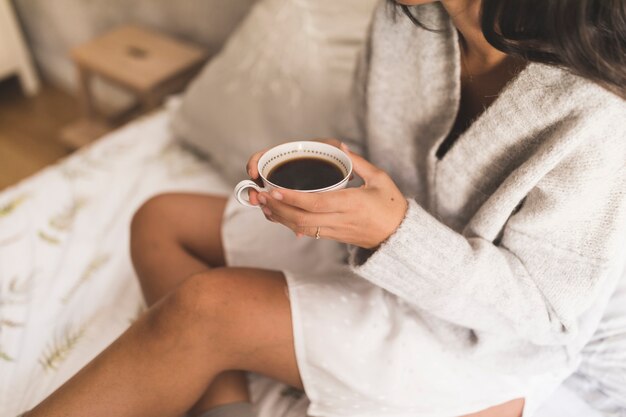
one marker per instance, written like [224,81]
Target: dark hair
[587,37]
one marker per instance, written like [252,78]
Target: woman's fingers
[295,218]
[252,166]
[298,230]
[362,166]
[253,196]
[328,202]
[326,232]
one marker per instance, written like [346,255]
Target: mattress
[67,287]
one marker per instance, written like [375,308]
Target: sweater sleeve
[535,281]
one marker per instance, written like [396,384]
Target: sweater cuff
[407,261]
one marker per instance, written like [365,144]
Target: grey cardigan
[518,232]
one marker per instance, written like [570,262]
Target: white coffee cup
[295,150]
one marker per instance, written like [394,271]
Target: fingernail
[299,235]
[267,211]
[345,147]
[262,199]
[277,195]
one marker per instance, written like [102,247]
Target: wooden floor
[29,129]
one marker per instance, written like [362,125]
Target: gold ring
[317,234]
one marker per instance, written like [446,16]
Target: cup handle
[243,186]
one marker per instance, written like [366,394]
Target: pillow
[285,74]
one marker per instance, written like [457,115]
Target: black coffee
[305,174]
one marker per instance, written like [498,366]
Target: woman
[485,241]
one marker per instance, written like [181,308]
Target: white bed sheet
[67,288]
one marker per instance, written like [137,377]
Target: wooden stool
[146,63]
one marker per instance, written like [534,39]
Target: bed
[67,288]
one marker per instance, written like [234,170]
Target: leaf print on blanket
[62,222]
[81,166]
[9,323]
[8,208]
[94,266]
[16,293]
[13,222]
[48,238]
[4,356]
[18,290]
[60,348]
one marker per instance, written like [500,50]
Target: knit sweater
[518,231]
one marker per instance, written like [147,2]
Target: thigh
[192,221]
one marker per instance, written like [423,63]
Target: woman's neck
[479,55]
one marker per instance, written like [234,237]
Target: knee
[190,315]
[213,301]
[148,214]
[199,313]
[203,297]
[150,221]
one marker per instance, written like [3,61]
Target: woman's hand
[364,216]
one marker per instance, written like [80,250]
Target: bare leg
[165,361]
[174,236]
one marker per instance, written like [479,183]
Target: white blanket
[67,288]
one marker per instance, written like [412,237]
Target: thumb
[361,166]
